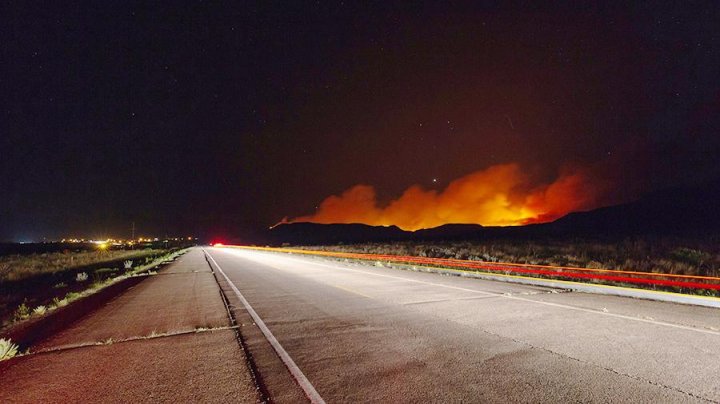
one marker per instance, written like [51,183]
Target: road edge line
[292,367]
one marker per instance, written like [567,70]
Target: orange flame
[501,195]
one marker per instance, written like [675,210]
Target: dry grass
[19,267]
[51,298]
[660,255]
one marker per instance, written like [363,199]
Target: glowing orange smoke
[501,195]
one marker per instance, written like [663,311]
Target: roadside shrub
[72,296]
[81,277]
[57,302]
[40,310]
[7,349]
[560,260]
[690,256]
[99,284]
[594,265]
[488,258]
[22,312]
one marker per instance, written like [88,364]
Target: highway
[353,332]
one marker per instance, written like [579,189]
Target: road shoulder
[167,339]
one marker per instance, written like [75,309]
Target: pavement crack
[448,300]
[183,273]
[111,341]
[537,292]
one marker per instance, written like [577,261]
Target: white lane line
[299,376]
[564,306]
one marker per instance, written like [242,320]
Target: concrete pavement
[168,339]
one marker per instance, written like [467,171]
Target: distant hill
[678,211]
[448,231]
[689,211]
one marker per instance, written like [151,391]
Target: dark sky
[214,118]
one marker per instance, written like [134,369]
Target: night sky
[219,119]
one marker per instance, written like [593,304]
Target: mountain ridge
[688,211]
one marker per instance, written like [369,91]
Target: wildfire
[501,195]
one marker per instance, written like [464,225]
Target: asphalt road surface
[359,333]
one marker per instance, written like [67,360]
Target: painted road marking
[564,306]
[299,376]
